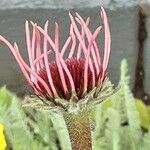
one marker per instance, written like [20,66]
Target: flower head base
[78,79]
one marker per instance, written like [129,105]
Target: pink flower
[75,76]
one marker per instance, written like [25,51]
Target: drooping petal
[85,49]
[47,64]
[60,69]
[28,42]
[60,57]
[89,37]
[107,39]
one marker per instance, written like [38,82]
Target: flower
[2,138]
[66,82]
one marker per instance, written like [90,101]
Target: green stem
[78,126]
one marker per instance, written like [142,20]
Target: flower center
[76,69]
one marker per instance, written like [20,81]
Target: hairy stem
[78,126]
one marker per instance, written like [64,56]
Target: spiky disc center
[76,68]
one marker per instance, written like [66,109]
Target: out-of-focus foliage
[25,130]
[121,123]
[144,113]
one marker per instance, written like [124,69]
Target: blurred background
[129,22]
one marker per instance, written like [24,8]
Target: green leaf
[105,105]
[5,99]
[146,141]
[132,114]
[148,109]
[14,121]
[60,127]
[18,134]
[143,114]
